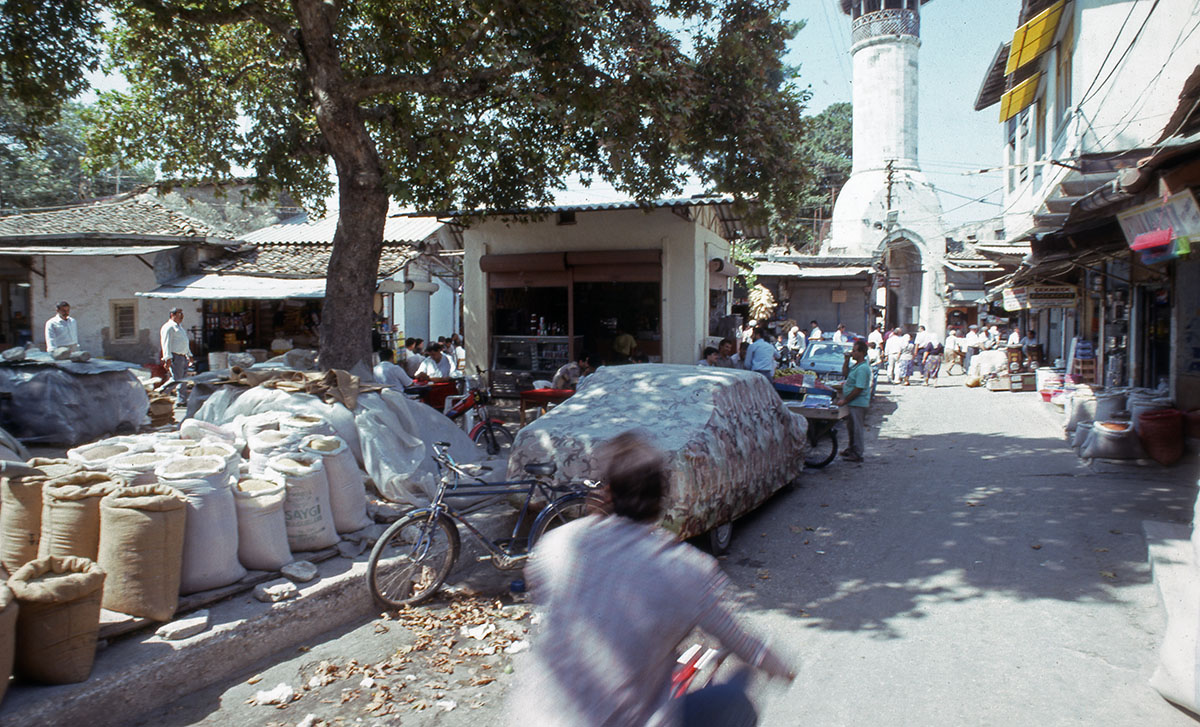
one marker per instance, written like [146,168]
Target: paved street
[972,571]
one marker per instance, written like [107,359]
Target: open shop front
[547,308]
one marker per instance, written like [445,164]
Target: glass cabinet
[518,361]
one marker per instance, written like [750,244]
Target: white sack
[96,456]
[217,448]
[347,490]
[988,362]
[305,424]
[137,468]
[267,444]
[389,435]
[210,539]
[306,507]
[262,530]
[1108,405]
[1082,431]
[1113,440]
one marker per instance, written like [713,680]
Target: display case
[518,361]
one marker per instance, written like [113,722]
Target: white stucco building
[888,210]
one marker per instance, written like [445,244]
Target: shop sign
[1179,213]
[1036,297]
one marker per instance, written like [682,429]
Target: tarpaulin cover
[729,439]
[390,436]
[68,403]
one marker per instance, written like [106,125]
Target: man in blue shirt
[856,394]
[760,356]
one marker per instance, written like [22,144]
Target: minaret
[887,201]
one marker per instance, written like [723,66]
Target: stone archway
[905,255]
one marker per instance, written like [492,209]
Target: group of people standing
[968,345]
[905,355]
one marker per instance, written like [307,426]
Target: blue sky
[959,38]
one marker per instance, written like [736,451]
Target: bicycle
[478,422]
[413,557]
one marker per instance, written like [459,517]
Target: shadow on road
[952,518]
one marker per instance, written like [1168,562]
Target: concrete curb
[143,671]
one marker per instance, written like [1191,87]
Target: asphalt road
[971,572]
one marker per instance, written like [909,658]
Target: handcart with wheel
[822,431]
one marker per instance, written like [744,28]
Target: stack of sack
[162,410]
[131,523]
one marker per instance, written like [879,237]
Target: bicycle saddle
[541,468]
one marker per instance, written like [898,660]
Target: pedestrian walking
[891,353]
[176,354]
[61,329]
[857,397]
[933,362]
[974,343]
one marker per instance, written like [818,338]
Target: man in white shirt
[438,367]
[922,338]
[973,341]
[388,373]
[839,336]
[569,374]
[795,342]
[176,354]
[814,332]
[1014,337]
[414,359]
[876,337]
[61,329]
[891,350]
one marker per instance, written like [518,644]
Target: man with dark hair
[619,595]
[388,373]
[438,367]
[61,329]
[856,395]
[726,351]
[760,356]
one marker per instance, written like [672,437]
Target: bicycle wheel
[412,558]
[562,511]
[492,435]
[822,450]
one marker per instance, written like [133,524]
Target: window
[124,320]
[1010,153]
[1023,144]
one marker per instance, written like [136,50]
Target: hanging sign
[1178,213]
[1036,297]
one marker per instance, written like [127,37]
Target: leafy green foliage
[828,144]
[47,165]
[439,104]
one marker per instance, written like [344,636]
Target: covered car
[730,441]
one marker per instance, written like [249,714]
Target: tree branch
[240,13]
[434,84]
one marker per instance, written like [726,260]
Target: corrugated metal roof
[399,228]
[91,250]
[231,287]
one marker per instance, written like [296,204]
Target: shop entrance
[605,313]
[1156,341]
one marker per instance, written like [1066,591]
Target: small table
[542,398]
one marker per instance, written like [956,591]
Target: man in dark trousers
[856,394]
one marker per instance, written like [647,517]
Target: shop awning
[1034,38]
[967,296]
[87,250]
[234,287]
[1023,94]
[792,270]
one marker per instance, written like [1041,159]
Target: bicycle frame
[478,487]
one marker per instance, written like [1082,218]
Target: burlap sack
[8,636]
[21,511]
[71,513]
[141,550]
[59,618]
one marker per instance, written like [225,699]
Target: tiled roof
[299,260]
[399,228]
[120,217]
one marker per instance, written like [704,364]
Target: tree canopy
[437,104]
[828,143]
[51,166]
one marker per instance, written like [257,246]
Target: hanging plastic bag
[347,486]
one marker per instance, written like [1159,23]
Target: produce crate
[1023,382]
[1000,383]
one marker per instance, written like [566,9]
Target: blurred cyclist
[619,595]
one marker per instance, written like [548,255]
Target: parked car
[729,439]
[826,359]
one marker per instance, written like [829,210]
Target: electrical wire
[1145,21]
[838,44]
[1111,48]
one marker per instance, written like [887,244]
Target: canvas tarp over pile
[389,435]
[67,402]
[729,439]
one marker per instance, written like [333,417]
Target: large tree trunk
[350,282]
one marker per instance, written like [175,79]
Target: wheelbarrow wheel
[822,450]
